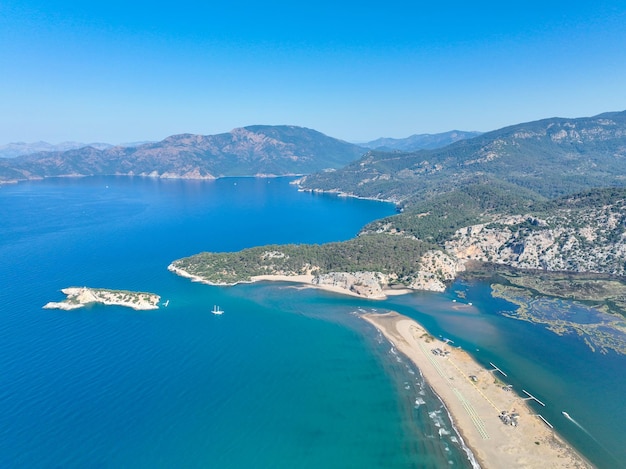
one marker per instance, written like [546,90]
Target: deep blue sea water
[287,377]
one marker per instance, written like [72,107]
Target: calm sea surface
[287,377]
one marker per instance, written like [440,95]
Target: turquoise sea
[287,377]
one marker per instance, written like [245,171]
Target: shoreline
[339,193]
[306,281]
[476,405]
[152,176]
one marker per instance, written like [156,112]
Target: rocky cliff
[591,242]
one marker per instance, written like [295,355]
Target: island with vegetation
[78,297]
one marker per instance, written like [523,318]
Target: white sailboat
[217,310]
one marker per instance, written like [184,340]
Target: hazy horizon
[116,72]
[140,142]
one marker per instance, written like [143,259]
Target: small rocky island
[77,297]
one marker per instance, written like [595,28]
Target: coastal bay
[107,389]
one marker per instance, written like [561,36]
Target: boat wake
[568,417]
[571,419]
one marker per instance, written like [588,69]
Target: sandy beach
[477,404]
[301,279]
[306,281]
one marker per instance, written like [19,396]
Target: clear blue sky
[118,71]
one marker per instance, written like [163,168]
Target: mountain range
[249,151]
[547,195]
[544,196]
[257,150]
[412,143]
[420,141]
[12,150]
[545,158]
[549,157]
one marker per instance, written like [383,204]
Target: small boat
[217,310]
[166,303]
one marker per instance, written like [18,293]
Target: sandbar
[476,402]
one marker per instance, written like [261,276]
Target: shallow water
[562,371]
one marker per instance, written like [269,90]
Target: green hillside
[551,157]
[437,217]
[372,253]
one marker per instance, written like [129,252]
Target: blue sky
[126,71]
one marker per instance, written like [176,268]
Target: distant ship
[217,310]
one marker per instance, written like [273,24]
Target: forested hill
[427,246]
[249,151]
[420,141]
[550,157]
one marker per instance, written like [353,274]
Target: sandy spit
[476,404]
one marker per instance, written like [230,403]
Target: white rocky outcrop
[367,284]
[587,243]
[436,268]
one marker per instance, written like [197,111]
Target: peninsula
[370,266]
[498,426]
[78,297]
